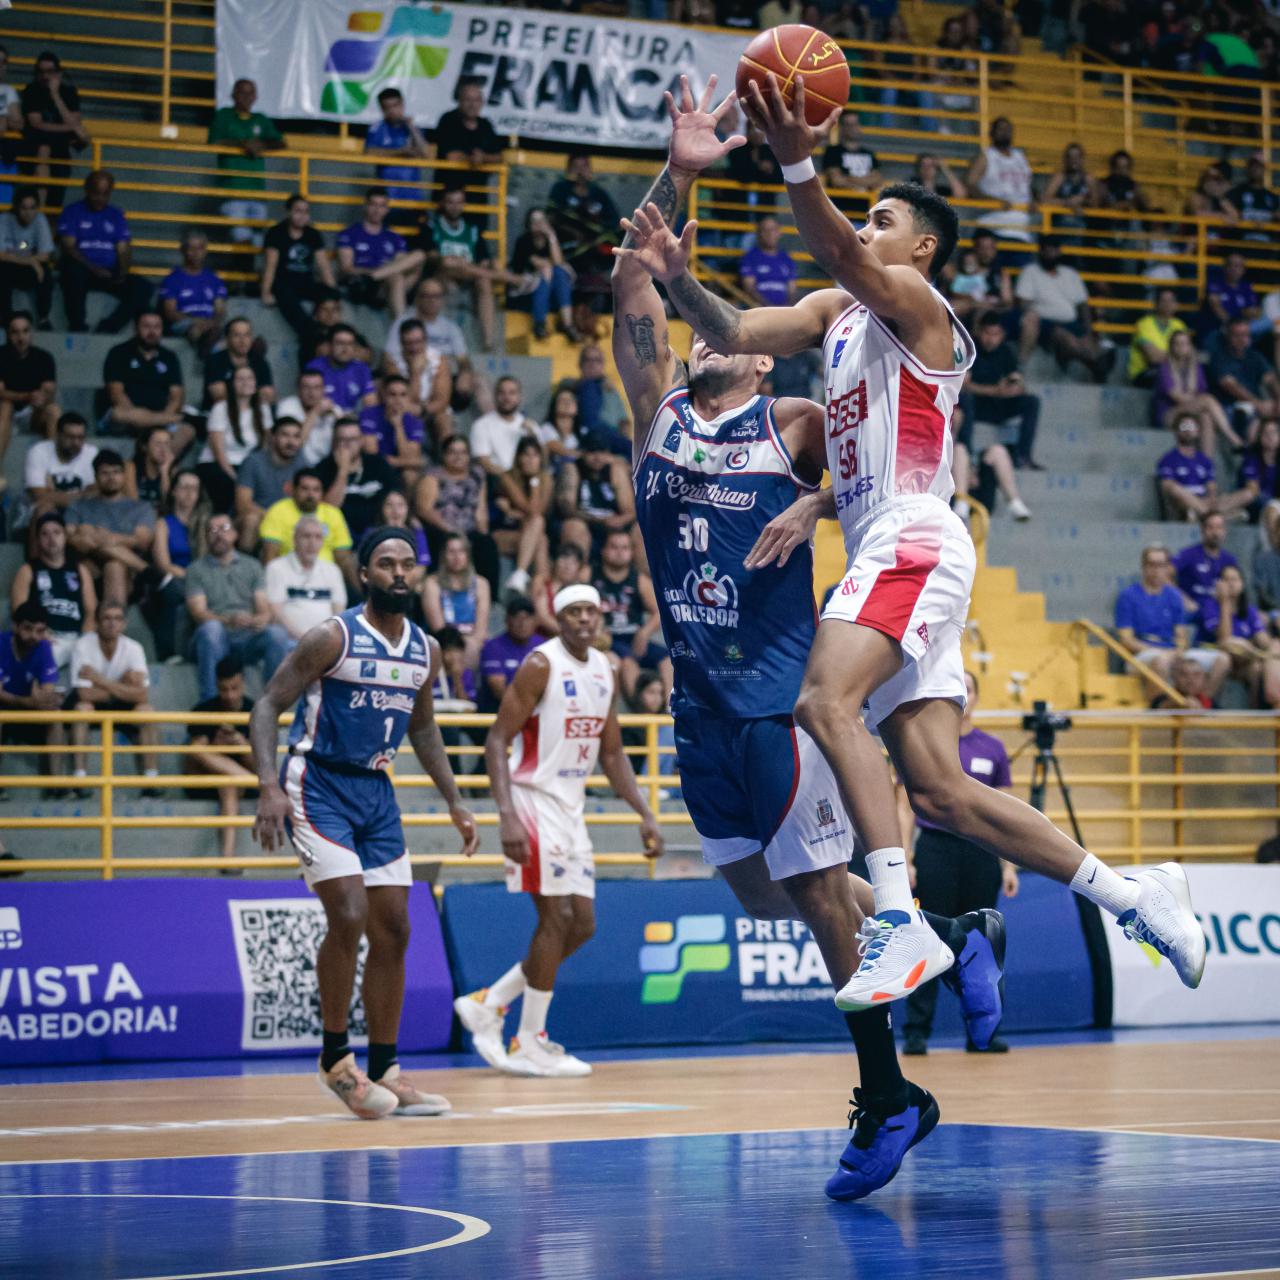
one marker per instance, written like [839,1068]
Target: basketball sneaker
[367,1100]
[538,1056]
[977,977]
[1163,919]
[485,1024]
[880,1143]
[899,953]
[412,1102]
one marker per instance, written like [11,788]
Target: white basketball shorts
[560,859]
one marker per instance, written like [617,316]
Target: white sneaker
[538,1056]
[1163,919]
[485,1025]
[411,1101]
[517,582]
[1019,510]
[899,953]
[368,1100]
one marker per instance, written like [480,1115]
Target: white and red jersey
[558,747]
[888,417]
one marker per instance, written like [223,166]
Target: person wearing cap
[501,656]
[557,717]
[367,676]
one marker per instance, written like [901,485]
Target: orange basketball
[792,52]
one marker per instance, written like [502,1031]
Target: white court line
[472,1228]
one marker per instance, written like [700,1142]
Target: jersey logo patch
[838,351]
[584,726]
[368,670]
[923,632]
[672,443]
[738,459]
[711,588]
[570,687]
[748,429]
[826,814]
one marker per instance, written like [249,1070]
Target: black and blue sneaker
[880,1142]
[977,977]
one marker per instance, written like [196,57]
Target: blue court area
[971,1201]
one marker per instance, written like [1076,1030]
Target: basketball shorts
[560,859]
[753,785]
[344,824]
[910,577]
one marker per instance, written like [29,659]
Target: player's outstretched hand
[651,837]
[515,843]
[783,534]
[694,144]
[656,247]
[268,826]
[466,824]
[790,136]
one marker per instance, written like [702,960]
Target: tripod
[1046,759]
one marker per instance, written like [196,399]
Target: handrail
[1130,660]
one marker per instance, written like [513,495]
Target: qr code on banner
[276,941]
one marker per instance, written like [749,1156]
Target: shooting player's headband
[575,593]
[376,537]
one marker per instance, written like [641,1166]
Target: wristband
[800,172]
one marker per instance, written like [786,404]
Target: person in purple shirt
[1260,473]
[348,382]
[502,655]
[1230,621]
[767,271]
[396,135]
[96,255]
[374,262]
[953,876]
[391,430]
[1197,567]
[1229,296]
[29,678]
[1187,478]
[193,300]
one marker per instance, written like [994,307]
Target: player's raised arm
[518,702]
[622,778]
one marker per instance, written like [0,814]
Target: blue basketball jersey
[356,714]
[739,640]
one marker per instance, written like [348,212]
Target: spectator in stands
[1210,198]
[397,136]
[496,435]
[392,431]
[559,434]
[147,473]
[252,135]
[1071,186]
[242,350]
[429,380]
[109,673]
[1266,573]
[1254,200]
[355,481]
[969,281]
[1243,380]
[999,393]
[235,765]
[112,532]
[630,611]
[51,125]
[934,174]
[295,264]
[1118,188]
[586,221]
[59,583]
[1186,476]
[181,538]
[10,99]
[455,687]
[307,499]
[57,472]
[538,257]
[1197,567]
[455,595]
[315,413]
[1056,312]
[1182,388]
[227,600]
[29,681]
[518,518]
[997,293]
[236,427]
[444,336]
[464,136]
[1229,620]
[193,299]
[144,383]
[265,477]
[600,407]
[1260,476]
[767,271]
[26,255]
[995,470]
[754,166]
[1149,346]
[28,384]
[303,589]
[96,257]
[569,566]
[502,655]
[1002,172]
[317,341]
[848,164]
[1230,296]
[374,262]
[348,380]
[451,498]
[396,514]
[594,495]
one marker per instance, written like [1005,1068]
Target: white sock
[506,991]
[1097,882]
[533,1012]
[887,870]
[151,773]
[79,773]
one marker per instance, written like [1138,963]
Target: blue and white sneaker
[977,977]
[879,1143]
[1164,920]
[899,952]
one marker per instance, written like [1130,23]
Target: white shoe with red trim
[538,1056]
[485,1025]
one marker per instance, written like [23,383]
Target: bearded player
[887,656]
[717,469]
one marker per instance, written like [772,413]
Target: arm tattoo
[641,331]
[711,317]
[663,193]
[679,371]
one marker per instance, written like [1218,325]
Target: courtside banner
[1239,907]
[186,969]
[561,76]
[679,962]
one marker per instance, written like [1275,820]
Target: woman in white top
[559,434]
[237,426]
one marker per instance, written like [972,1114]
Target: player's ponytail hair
[930,212]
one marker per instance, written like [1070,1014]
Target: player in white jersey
[895,358]
[557,716]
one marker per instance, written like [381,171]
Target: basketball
[794,51]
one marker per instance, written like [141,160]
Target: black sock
[879,1074]
[381,1058]
[335,1049]
[947,928]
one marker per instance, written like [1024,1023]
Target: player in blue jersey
[718,471]
[366,675]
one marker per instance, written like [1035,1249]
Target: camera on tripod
[1045,722]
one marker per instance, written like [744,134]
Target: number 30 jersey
[356,715]
[705,489]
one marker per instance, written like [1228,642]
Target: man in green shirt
[1149,347]
[253,134]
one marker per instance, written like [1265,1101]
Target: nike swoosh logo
[895,864]
[1095,872]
